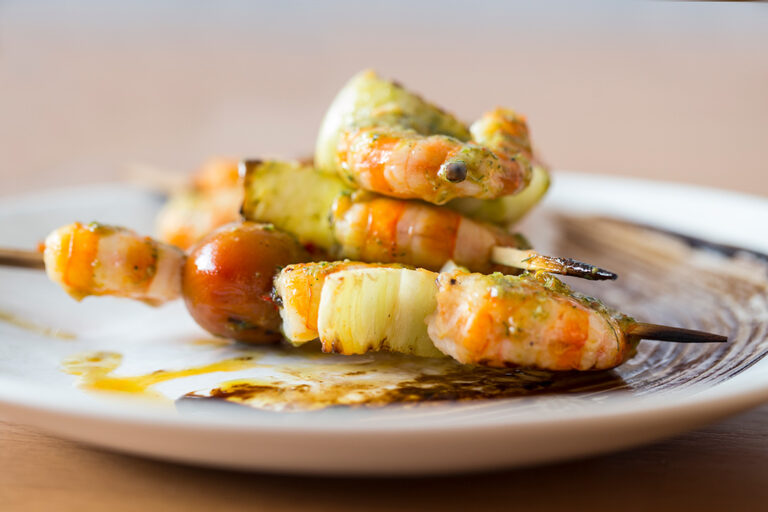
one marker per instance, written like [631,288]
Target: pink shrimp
[96,259]
[401,162]
[391,230]
[496,320]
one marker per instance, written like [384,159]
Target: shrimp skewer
[351,307]
[376,136]
[537,321]
[490,320]
[326,215]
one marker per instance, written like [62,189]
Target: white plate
[445,437]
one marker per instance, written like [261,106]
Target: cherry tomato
[227,281]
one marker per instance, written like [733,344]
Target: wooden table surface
[658,89]
[722,467]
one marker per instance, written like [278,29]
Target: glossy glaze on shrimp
[433,168]
[97,259]
[382,138]
[497,320]
[380,229]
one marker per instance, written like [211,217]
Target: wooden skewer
[525,259]
[34,260]
[666,333]
[531,260]
[21,258]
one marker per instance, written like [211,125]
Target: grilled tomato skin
[227,280]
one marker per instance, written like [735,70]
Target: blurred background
[662,90]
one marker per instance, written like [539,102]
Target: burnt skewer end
[587,271]
[533,261]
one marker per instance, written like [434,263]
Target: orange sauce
[297,379]
[95,372]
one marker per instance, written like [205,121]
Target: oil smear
[288,379]
[382,379]
[34,327]
[95,372]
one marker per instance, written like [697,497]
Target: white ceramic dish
[445,437]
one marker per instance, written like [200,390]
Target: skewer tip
[658,332]
[586,271]
[532,260]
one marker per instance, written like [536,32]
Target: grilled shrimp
[97,259]
[381,149]
[213,200]
[412,233]
[403,163]
[489,320]
[497,320]
[368,100]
